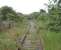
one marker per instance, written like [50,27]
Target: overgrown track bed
[30,40]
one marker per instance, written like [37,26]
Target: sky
[25,6]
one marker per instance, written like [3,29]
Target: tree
[9,16]
[54,19]
[8,13]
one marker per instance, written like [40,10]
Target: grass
[52,40]
[8,38]
[6,43]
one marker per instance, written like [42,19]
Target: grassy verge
[8,38]
[6,43]
[52,40]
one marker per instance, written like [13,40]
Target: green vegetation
[6,43]
[14,25]
[50,26]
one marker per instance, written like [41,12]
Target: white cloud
[24,6]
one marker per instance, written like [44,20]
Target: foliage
[54,18]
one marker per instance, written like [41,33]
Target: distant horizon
[25,6]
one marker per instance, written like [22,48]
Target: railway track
[30,40]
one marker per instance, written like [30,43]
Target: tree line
[51,19]
[9,17]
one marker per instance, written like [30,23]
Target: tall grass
[6,43]
[8,38]
[52,40]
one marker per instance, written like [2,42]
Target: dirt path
[31,40]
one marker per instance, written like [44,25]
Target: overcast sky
[25,6]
